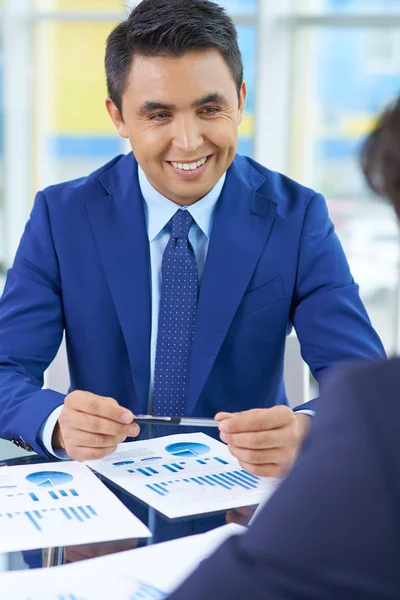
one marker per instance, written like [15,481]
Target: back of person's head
[381,156]
[170,28]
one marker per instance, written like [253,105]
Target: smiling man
[176,271]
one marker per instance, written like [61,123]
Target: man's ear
[242,101]
[116,118]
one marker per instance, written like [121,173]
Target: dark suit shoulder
[375,388]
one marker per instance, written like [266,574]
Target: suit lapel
[119,227]
[242,223]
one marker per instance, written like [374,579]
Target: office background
[318,72]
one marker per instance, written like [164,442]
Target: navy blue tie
[176,321]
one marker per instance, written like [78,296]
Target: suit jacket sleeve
[328,315]
[31,329]
[330,529]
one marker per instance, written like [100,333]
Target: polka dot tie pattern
[176,321]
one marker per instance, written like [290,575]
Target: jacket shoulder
[275,186]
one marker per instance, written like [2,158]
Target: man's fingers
[92,440]
[82,453]
[269,470]
[259,440]
[98,405]
[93,424]
[257,419]
[262,457]
[221,416]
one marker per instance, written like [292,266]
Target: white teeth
[189,166]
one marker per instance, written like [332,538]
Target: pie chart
[186,449]
[49,479]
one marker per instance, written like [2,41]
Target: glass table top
[161,527]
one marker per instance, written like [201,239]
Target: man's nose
[187,135]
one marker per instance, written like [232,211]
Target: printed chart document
[149,573]
[183,475]
[60,504]
[72,582]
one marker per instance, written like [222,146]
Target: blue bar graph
[66,514]
[221,460]
[144,472]
[78,513]
[157,491]
[33,521]
[147,592]
[83,512]
[228,480]
[177,466]
[172,469]
[70,597]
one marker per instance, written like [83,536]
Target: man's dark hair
[381,156]
[169,28]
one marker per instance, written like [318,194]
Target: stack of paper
[60,504]
[149,573]
[183,475]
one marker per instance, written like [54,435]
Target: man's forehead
[195,68]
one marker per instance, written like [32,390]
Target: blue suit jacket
[83,265]
[347,547]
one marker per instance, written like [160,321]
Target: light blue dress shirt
[158,211]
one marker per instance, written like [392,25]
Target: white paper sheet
[168,564]
[60,504]
[183,475]
[148,573]
[72,582]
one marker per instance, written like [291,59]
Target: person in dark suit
[332,529]
[177,271]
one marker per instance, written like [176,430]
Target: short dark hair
[169,28]
[381,156]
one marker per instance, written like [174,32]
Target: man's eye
[159,117]
[210,110]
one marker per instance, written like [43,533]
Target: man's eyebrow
[151,106]
[215,98]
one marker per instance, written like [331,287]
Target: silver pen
[184,421]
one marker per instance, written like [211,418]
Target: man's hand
[266,441]
[85,551]
[91,426]
[240,516]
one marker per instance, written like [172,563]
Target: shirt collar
[160,210]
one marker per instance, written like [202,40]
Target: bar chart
[178,467]
[36,517]
[194,474]
[56,508]
[228,480]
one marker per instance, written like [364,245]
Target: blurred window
[343,77]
